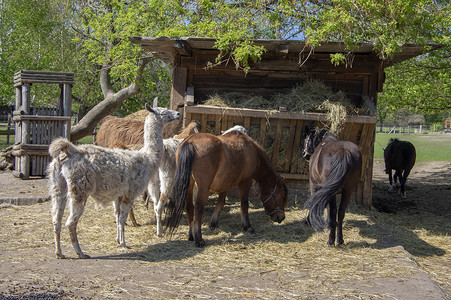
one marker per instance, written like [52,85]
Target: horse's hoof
[250,230]
[123,245]
[83,256]
[213,224]
[200,243]
[60,256]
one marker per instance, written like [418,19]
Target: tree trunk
[111,102]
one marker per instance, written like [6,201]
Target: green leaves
[423,84]
[86,36]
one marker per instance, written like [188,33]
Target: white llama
[166,173]
[108,175]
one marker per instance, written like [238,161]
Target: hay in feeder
[239,100]
[311,96]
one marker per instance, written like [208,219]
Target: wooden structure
[36,127]
[285,64]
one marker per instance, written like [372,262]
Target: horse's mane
[320,135]
[265,159]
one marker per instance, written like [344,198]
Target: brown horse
[333,165]
[399,156]
[217,163]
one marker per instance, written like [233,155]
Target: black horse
[333,165]
[399,156]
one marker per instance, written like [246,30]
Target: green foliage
[33,36]
[385,24]
[88,36]
[422,84]
[337,58]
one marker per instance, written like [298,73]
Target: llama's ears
[154,105]
[150,109]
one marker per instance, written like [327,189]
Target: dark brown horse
[334,165]
[399,156]
[217,163]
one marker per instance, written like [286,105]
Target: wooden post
[16,125]
[178,87]
[26,106]
[67,108]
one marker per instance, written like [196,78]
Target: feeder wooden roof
[166,48]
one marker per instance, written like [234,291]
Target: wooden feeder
[36,127]
[285,64]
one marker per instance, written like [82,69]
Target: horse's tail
[180,187]
[326,190]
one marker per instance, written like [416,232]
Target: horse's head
[275,202]
[312,138]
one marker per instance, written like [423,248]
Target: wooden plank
[297,177]
[296,145]
[43,72]
[346,132]
[28,153]
[262,136]
[67,108]
[218,124]
[245,112]
[203,123]
[247,123]
[188,117]
[18,118]
[318,62]
[356,127]
[230,123]
[51,76]
[276,147]
[26,102]
[224,122]
[365,142]
[179,78]
[189,99]
[367,180]
[289,147]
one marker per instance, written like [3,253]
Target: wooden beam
[183,48]
[189,98]
[178,87]
[269,114]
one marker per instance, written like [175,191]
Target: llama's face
[164,115]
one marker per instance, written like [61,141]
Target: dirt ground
[235,265]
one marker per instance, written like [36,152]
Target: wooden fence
[280,134]
[44,124]
[8,129]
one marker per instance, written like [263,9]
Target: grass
[429,147]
